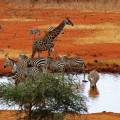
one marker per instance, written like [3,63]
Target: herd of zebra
[25,65]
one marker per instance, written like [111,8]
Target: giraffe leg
[33,53]
[38,54]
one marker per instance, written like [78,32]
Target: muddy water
[105,97]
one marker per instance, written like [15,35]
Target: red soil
[11,115]
[17,22]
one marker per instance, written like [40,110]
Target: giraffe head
[68,21]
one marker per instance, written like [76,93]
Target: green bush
[45,95]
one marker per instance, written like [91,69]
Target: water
[105,97]
[3,105]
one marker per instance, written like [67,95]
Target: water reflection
[93,92]
[105,97]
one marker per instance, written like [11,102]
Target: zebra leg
[44,70]
[84,75]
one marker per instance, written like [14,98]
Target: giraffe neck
[50,36]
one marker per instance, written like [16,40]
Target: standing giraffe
[46,43]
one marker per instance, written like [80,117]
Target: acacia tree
[43,97]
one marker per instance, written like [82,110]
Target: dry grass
[11,53]
[83,5]
[110,62]
[100,33]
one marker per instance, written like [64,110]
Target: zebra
[56,65]
[10,62]
[46,43]
[69,63]
[16,70]
[20,70]
[44,63]
[40,63]
[93,77]
[21,75]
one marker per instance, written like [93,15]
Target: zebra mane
[12,60]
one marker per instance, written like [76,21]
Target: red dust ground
[94,36]
[11,115]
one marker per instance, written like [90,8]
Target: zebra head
[68,21]
[63,58]
[10,62]
[93,77]
[7,63]
[23,57]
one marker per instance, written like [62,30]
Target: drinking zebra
[93,77]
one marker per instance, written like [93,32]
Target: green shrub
[44,96]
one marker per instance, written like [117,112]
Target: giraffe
[47,42]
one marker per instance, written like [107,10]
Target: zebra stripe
[40,63]
[73,62]
[56,65]
[17,69]
[21,71]
[44,63]
[20,76]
